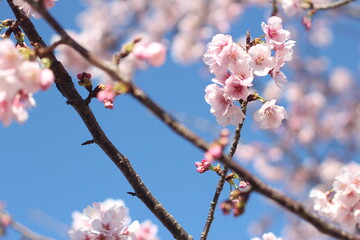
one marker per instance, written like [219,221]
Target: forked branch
[122,162]
[66,87]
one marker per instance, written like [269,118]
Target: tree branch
[24,231]
[325,6]
[66,87]
[122,162]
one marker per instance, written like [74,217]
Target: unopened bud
[225,207]
[85,80]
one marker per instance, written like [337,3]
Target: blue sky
[46,174]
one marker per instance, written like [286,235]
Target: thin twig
[24,231]
[42,52]
[66,87]
[122,162]
[325,6]
[275,8]
[221,182]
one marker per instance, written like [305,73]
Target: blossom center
[259,60]
[270,113]
[272,33]
[241,76]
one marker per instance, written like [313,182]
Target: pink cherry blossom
[213,153]
[214,54]
[19,79]
[274,33]
[329,169]
[277,74]
[215,97]
[154,53]
[147,231]
[140,51]
[267,236]
[232,53]
[223,108]
[106,220]
[341,203]
[290,7]
[347,187]
[215,47]
[270,115]
[9,55]
[235,89]
[232,116]
[242,71]
[107,96]
[222,79]
[234,70]
[27,9]
[15,108]
[320,201]
[261,60]
[284,51]
[33,78]
[341,79]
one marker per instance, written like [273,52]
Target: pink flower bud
[202,166]
[306,21]
[108,104]
[140,52]
[107,96]
[225,207]
[82,75]
[156,54]
[5,220]
[213,153]
[46,79]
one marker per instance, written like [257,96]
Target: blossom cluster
[19,80]
[109,220]
[341,204]
[235,66]
[106,220]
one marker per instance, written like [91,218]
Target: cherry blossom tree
[289,117]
